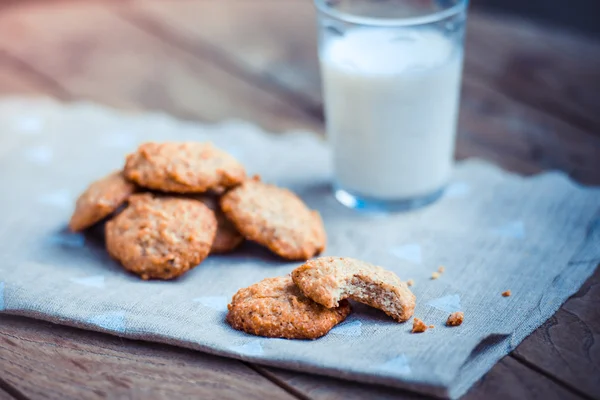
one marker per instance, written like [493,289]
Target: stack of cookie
[312,300]
[175,203]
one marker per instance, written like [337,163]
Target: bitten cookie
[187,167]
[99,200]
[275,307]
[276,218]
[328,280]
[228,237]
[161,237]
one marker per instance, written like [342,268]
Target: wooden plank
[567,346]
[492,125]
[324,388]
[48,361]
[96,55]
[509,379]
[548,68]
[5,396]
[273,40]
[13,81]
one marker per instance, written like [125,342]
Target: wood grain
[509,379]
[48,361]
[5,396]
[492,124]
[548,68]
[13,81]
[323,388]
[96,55]
[243,32]
[567,346]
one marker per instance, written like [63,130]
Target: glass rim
[430,18]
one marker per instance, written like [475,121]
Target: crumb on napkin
[418,326]
[455,319]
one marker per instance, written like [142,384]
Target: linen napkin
[492,231]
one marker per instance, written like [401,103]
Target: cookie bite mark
[100,199]
[275,218]
[276,308]
[329,280]
[183,167]
[161,237]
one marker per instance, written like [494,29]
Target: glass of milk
[391,73]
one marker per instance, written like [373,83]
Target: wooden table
[531,102]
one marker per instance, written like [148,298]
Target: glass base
[374,205]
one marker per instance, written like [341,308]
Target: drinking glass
[391,72]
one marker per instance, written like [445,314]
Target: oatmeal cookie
[275,218]
[275,307]
[183,167]
[99,200]
[161,237]
[327,280]
[228,238]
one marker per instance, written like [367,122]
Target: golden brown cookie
[183,167]
[161,237]
[275,307]
[276,218]
[228,238]
[99,200]
[327,280]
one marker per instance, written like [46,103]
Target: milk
[391,102]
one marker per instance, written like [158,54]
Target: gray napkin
[493,231]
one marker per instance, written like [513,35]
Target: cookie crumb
[455,319]
[506,293]
[418,326]
[435,275]
[410,282]
[431,326]
[441,269]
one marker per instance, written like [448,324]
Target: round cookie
[161,237]
[329,280]
[276,308]
[99,200]
[183,167]
[276,218]
[227,238]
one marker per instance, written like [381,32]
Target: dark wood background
[577,15]
[531,102]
